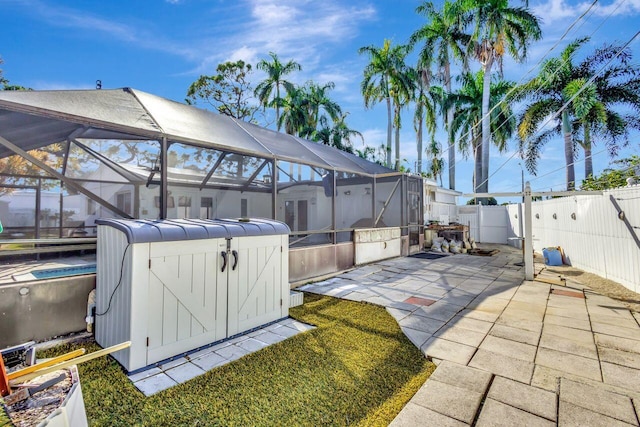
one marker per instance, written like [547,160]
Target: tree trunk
[278,108]
[568,152]
[588,162]
[477,175]
[389,124]
[419,145]
[397,116]
[450,137]
[486,126]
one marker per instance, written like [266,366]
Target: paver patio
[509,351]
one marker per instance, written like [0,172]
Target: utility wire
[573,164]
[588,10]
[574,23]
[566,104]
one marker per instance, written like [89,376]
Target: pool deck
[509,351]
[20,271]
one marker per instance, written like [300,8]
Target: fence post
[528,230]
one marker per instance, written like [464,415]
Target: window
[243,208]
[123,202]
[184,206]
[206,207]
[91,207]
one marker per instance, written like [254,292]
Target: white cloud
[298,29]
[553,11]
[374,137]
[244,53]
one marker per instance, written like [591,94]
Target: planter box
[71,413]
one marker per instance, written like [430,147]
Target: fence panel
[468,215]
[592,236]
[493,224]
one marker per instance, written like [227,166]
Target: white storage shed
[173,286]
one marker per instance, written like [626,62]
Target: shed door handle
[224,260]
[235,259]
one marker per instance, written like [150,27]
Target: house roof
[34,119]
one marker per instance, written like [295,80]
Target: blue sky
[161,46]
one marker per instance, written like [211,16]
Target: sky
[162,46]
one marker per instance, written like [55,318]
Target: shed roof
[34,119]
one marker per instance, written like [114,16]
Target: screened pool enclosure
[70,157]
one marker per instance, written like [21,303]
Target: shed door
[255,286]
[187,296]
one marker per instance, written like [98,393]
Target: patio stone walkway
[509,351]
[182,369]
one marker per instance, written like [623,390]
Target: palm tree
[607,79]
[384,63]
[547,94]
[468,101]
[294,112]
[275,80]
[339,135]
[443,42]
[425,109]
[434,150]
[591,112]
[343,134]
[402,86]
[498,29]
[317,100]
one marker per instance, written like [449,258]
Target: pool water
[64,271]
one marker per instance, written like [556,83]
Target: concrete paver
[617,343]
[620,376]
[567,321]
[418,338]
[515,334]
[598,400]
[414,415]
[526,324]
[569,333]
[618,357]
[472,324]
[448,350]
[570,415]
[446,399]
[460,335]
[497,414]
[536,401]
[616,330]
[569,345]
[571,363]
[462,376]
[617,320]
[421,323]
[503,365]
[507,350]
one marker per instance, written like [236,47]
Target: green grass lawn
[355,368]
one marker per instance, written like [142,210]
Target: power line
[566,104]
[597,28]
[574,23]
[573,164]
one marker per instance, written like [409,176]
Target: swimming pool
[64,271]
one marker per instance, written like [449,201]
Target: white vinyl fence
[491,224]
[587,227]
[590,232]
